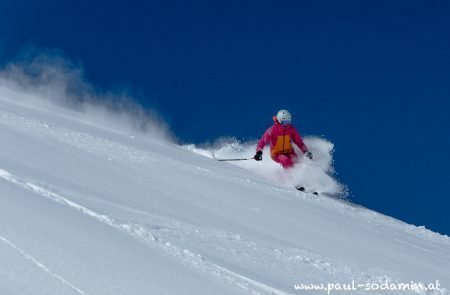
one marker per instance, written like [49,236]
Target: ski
[304,190]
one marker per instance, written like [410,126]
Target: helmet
[284,117]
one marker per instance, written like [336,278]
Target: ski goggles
[285,122]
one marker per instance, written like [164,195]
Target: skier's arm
[299,141]
[264,140]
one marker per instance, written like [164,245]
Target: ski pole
[235,159]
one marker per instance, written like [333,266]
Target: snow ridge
[81,140]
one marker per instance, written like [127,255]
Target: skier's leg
[284,160]
[293,156]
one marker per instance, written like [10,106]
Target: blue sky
[372,77]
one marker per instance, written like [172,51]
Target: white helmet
[284,117]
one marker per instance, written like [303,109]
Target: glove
[258,156]
[309,155]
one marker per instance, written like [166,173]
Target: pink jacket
[280,139]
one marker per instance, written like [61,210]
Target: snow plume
[316,175]
[51,81]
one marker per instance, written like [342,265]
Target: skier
[280,136]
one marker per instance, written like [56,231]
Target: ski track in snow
[142,234]
[40,265]
[236,248]
[161,234]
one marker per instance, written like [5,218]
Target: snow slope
[89,209]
